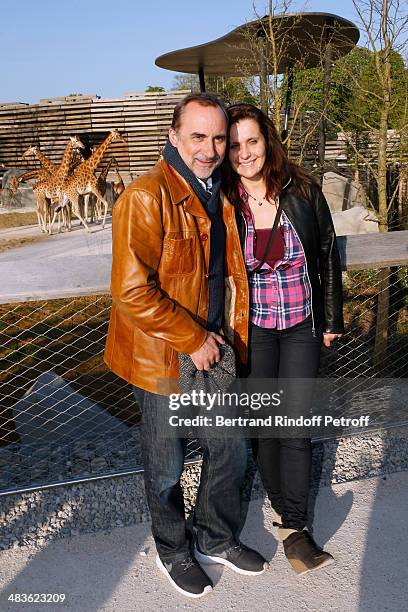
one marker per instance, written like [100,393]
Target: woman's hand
[328,338]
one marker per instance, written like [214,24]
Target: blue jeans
[217,513]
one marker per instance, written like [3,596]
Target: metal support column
[201,78]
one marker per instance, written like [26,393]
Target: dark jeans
[284,464]
[217,512]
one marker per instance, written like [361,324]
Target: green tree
[353,89]
[354,105]
[153,88]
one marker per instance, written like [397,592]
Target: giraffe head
[116,136]
[32,150]
[78,158]
[76,143]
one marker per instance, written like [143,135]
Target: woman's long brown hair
[278,168]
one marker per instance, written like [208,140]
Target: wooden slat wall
[336,150]
[143,119]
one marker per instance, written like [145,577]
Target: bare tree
[272,41]
[232,89]
[378,102]
[376,96]
[384,23]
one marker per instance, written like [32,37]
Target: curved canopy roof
[299,38]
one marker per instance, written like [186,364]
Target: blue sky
[51,48]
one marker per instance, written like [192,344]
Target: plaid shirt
[280,298]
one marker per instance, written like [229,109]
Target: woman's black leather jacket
[312,221]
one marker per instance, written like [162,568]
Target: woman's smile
[247,152]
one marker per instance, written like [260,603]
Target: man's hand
[209,352]
[328,339]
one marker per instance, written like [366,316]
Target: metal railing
[64,417]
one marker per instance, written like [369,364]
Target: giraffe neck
[65,165]
[105,171]
[45,162]
[26,176]
[92,162]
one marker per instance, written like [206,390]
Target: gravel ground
[34,518]
[17,218]
[115,571]
[13,243]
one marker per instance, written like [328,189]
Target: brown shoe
[303,553]
[277,518]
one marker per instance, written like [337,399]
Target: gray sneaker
[186,576]
[239,558]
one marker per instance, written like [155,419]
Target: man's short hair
[205,99]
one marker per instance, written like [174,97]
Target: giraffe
[77,159]
[118,185]
[89,199]
[13,184]
[47,166]
[47,169]
[46,163]
[83,180]
[101,181]
[48,187]
[26,176]
[51,187]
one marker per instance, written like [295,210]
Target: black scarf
[210,201]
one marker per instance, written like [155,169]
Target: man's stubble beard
[206,176]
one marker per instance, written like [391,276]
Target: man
[174,238]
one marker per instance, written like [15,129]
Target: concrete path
[77,242]
[362,522]
[62,265]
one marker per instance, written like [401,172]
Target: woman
[295,303]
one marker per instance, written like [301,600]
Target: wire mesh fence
[64,416]
[356,354]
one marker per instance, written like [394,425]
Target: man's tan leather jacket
[160,261]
